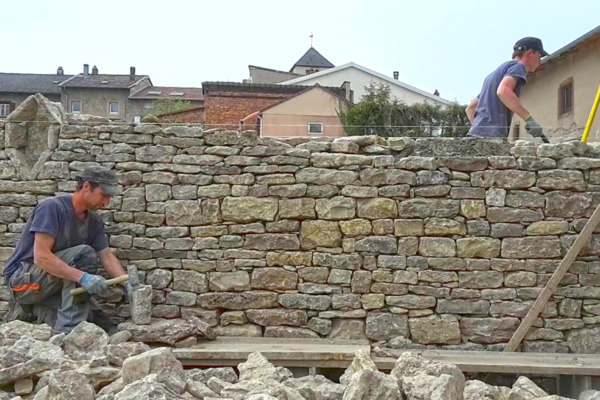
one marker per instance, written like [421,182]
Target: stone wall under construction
[406,242]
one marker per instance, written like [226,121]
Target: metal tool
[134,278]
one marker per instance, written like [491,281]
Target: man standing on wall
[492,110]
[60,247]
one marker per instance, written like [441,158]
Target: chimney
[396,74]
[86,70]
[132,73]
[60,71]
[95,70]
[436,93]
[347,90]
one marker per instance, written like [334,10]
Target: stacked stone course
[442,242]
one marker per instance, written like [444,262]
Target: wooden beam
[324,353]
[552,284]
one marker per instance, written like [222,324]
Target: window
[4,110]
[113,107]
[177,93]
[153,93]
[76,107]
[315,128]
[565,97]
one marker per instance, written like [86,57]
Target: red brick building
[190,116]
[227,103]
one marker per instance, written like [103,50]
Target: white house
[360,76]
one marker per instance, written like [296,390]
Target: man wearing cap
[59,248]
[492,110]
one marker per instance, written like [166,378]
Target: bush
[379,113]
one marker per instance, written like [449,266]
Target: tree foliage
[164,106]
[380,113]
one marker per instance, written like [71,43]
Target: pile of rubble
[87,364]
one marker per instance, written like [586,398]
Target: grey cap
[104,177]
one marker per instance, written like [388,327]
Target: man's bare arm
[111,263]
[470,110]
[44,258]
[506,93]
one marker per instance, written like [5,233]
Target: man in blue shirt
[491,112]
[60,247]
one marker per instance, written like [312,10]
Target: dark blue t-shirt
[56,216]
[492,117]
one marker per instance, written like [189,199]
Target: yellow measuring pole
[591,118]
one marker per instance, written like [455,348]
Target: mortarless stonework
[386,238]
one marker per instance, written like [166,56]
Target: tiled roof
[263,88]
[591,35]
[312,58]
[107,81]
[31,83]
[168,92]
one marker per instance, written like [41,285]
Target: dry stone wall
[426,242]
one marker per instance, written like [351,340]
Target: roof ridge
[326,63]
[299,81]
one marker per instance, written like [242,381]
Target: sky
[446,45]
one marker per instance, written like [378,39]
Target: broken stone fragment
[11,332]
[69,385]
[118,353]
[150,362]
[85,341]
[203,328]
[258,367]
[226,374]
[160,331]
[119,337]
[199,389]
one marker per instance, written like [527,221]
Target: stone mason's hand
[533,128]
[93,284]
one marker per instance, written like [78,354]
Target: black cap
[104,177]
[530,43]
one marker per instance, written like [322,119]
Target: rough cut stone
[378,244]
[248,209]
[478,247]
[277,317]
[531,247]
[435,329]
[315,234]
[505,179]
[437,247]
[238,301]
[425,208]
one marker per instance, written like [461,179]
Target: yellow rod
[591,118]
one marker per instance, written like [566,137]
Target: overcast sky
[446,45]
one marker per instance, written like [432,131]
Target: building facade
[227,103]
[360,77]
[561,92]
[126,97]
[16,87]
[313,112]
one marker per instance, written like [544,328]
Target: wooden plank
[325,353]
[552,284]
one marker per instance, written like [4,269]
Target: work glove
[533,128]
[93,284]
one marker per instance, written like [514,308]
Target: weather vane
[311,39]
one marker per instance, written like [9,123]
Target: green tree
[380,113]
[163,106]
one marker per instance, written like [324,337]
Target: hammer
[109,282]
